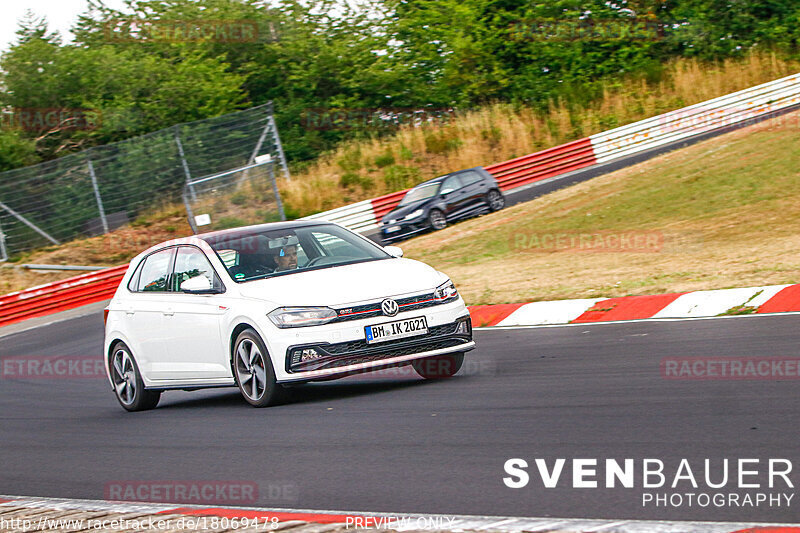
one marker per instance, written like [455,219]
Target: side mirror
[198,285]
[394,251]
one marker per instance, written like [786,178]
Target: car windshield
[422,192]
[262,252]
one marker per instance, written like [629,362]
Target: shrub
[229,222]
[350,161]
[441,142]
[397,177]
[291,212]
[384,160]
[492,136]
[239,198]
[350,180]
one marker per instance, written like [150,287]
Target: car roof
[291,224]
[200,240]
[444,176]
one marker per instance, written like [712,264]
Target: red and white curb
[308,521]
[698,304]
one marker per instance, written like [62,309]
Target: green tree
[715,29]
[124,91]
[15,151]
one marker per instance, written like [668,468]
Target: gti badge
[389,307]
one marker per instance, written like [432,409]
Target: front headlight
[446,291]
[415,214]
[296,317]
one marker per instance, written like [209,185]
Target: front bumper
[344,337]
[455,335]
[407,229]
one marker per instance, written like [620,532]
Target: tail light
[105,316]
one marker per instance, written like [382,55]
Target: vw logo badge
[389,307]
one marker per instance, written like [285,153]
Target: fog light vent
[309,354]
[303,355]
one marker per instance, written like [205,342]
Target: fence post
[97,194]
[275,190]
[3,251]
[29,224]
[189,211]
[185,165]
[257,149]
[278,145]
[261,139]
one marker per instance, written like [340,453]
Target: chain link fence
[235,198]
[95,191]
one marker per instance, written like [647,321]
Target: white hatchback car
[284,303]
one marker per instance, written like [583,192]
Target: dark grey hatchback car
[440,201]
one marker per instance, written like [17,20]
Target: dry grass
[364,169]
[728,210]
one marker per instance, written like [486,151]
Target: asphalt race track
[403,445]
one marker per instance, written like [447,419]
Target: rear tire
[252,369]
[437,220]
[439,366]
[128,385]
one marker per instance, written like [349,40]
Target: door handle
[129,311]
[168,312]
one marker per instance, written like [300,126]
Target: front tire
[128,385]
[495,200]
[253,371]
[439,366]
[437,220]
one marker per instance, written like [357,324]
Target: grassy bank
[723,213]
[367,168]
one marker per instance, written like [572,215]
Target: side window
[190,263]
[451,184]
[468,178]
[155,271]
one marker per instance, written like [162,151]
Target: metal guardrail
[34,266]
[358,217]
[542,165]
[60,296]
[725,111]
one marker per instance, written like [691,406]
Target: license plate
[392,229]
[398,329]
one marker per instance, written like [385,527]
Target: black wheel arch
[235,334]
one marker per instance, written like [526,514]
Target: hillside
[722,213]
[362,169]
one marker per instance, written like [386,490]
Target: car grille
[371,310]
[355,346]
[395,352]
[356,352]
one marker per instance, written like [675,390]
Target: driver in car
[286,259]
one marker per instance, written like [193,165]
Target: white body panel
[184,340]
